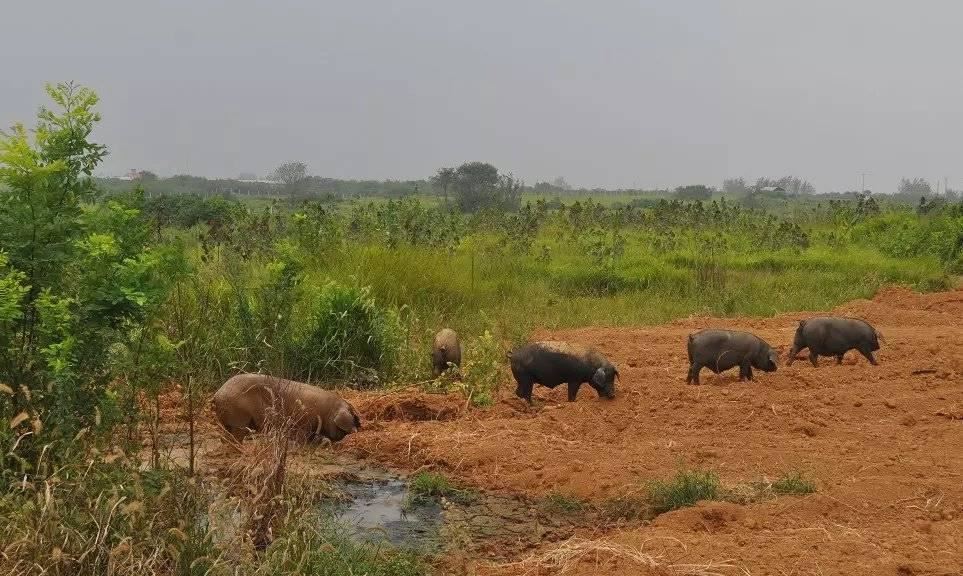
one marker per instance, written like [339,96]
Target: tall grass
[105,514]
[326,293]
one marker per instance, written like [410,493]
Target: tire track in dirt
[884,443]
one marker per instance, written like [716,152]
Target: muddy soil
[884,444]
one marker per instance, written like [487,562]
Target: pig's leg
[693,377]
[573,390]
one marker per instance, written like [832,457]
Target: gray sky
[612,93]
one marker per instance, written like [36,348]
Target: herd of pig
[246,402]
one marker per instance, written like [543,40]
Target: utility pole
[862,181]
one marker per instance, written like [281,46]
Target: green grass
[684,489]
[793,483]
[563,504]
[427,486]
[430,484]
[513,274]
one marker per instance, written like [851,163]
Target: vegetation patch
[793,483]
[427,486]
[684,489]
[556,503]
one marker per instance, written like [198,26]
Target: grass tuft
[793,483]
[684,489]
[563,504]
[427,486]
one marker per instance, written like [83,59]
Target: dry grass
[257,477]
[566,557]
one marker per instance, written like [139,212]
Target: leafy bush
[347,332]
[89,276]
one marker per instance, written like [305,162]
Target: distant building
[133,174]
[772,189]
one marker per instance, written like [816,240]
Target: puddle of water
[377,512]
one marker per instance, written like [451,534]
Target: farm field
[882,445]
[123,311]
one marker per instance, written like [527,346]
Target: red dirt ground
[884,444]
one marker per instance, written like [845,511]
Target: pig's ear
[599,377]
[345,420]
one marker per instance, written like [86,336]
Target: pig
[446,349]
[246,401]
[720,350]
[551,363]
[834,336]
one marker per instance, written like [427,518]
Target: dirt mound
[408,405]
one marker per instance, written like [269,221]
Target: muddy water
[375,507]
[378,511]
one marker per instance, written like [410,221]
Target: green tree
[478,186]
[443,179]
[293,176]
[693,192]
[73,281]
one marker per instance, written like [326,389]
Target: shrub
[347,332]
[481,372]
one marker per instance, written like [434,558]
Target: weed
[684,489]
[426,486]
[793,483]
[563,504]
[627,507]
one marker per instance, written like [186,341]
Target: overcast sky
[614,94]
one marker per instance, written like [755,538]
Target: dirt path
[885,445]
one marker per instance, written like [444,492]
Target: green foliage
[105,515]
[77,278]
[430,484]
[563,504]
[478,186]
[347,331]
[425,486]
[684,489]
[481,369]
[793,483]
[188,210]
[693,192]
[327,552]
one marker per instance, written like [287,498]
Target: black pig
[834,336]
[551,363]
[720,350]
